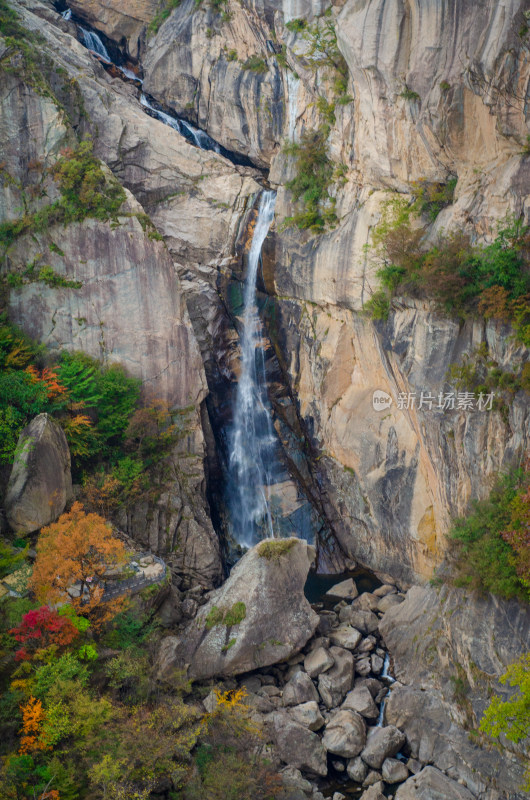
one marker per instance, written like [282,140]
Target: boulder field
[360,693]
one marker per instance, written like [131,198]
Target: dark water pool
[317,585]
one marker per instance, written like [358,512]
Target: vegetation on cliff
[491,546]
[315,171]
[312,181]
[86,191]
[115,442]
[492,280]
[511,718]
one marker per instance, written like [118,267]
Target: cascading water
[173,122]
[388,680]
[193,135]
[252,439]
[92,42]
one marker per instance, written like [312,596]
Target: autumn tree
[32,721]
[40,629]
[77,550]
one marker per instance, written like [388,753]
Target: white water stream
[92,42]
[252,439]
[390,680]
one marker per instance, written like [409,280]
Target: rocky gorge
[195,112]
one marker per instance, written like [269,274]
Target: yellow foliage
[32,721]
[78,548]
[231,699]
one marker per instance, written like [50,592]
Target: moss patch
[227,617]
[274,549]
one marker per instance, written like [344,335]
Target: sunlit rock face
[435,92]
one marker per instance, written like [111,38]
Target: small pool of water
[354,790]
[317,585]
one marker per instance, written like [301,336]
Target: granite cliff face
[450,106]
[416,91]
[430,92]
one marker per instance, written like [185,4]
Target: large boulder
[431,784]
[382,743]
[394,771]
[258,617]
[317,661]
[299,689]
[345,590]
[297,745]
[360,700]
[40,484]
[338,680]
[345,636]
[345,734]
[308,714]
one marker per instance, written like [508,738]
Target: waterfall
[173,122]
[389,681]
[252,440]
[92,42]
[67,14]
[199,138]
[192,134]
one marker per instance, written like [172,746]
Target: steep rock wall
[434,90]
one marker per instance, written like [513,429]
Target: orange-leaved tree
[32,720]
[76,552]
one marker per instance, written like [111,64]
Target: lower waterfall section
[252,440]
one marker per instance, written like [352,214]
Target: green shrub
[310,187]
[162,15]
[431,198]
[128,630]
[323,49]
[327,110]
[106,391]
[479,372]
[86,191]
[35,273]
[461,277]
[482,559]
[510,718]
[378,306]
[409,94]
[296,25]
[255,63]
[274,549]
